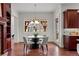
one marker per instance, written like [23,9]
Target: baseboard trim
[56,44]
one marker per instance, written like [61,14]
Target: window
[35,25]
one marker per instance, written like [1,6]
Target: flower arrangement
[35,34]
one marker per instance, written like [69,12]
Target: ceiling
[34,7]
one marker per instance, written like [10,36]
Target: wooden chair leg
[42,48]
[24,49]
[30,46]
[47,47]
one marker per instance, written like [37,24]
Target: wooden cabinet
[71,20]
[66,42]
[5,24]
[71,17]
[78,19]
[0,11]
[2,35]
[73,42]
[5,9]
[70,42]
[6,13]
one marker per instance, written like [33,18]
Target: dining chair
[40,41]
[27,44]
[40,46]
[43,42]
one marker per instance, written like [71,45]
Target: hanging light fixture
[35,21]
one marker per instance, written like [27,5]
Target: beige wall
[46,15]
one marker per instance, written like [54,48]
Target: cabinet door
[66,42]
[3,36]
[72,17]
[72,42]
[65,20]
[77,21]
[5,8]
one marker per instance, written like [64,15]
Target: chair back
[45,40]
[40,41]
[25,41]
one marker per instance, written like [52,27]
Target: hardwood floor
[53,50]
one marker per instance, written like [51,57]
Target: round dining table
[35,40]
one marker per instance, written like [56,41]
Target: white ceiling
[30,7]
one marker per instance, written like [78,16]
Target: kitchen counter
[71,32]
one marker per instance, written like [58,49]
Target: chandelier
[35,24]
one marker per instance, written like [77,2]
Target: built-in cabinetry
[71,18]
[6,13]
[2,36]
[71,21]
[5,27]
[70,42]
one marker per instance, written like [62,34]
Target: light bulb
[36,22]
[31,22]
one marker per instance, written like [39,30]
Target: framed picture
[26,26]
[44,24]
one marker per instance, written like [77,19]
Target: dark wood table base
[35,45]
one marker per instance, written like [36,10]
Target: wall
[70,6]
[48,16]
[14,24]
